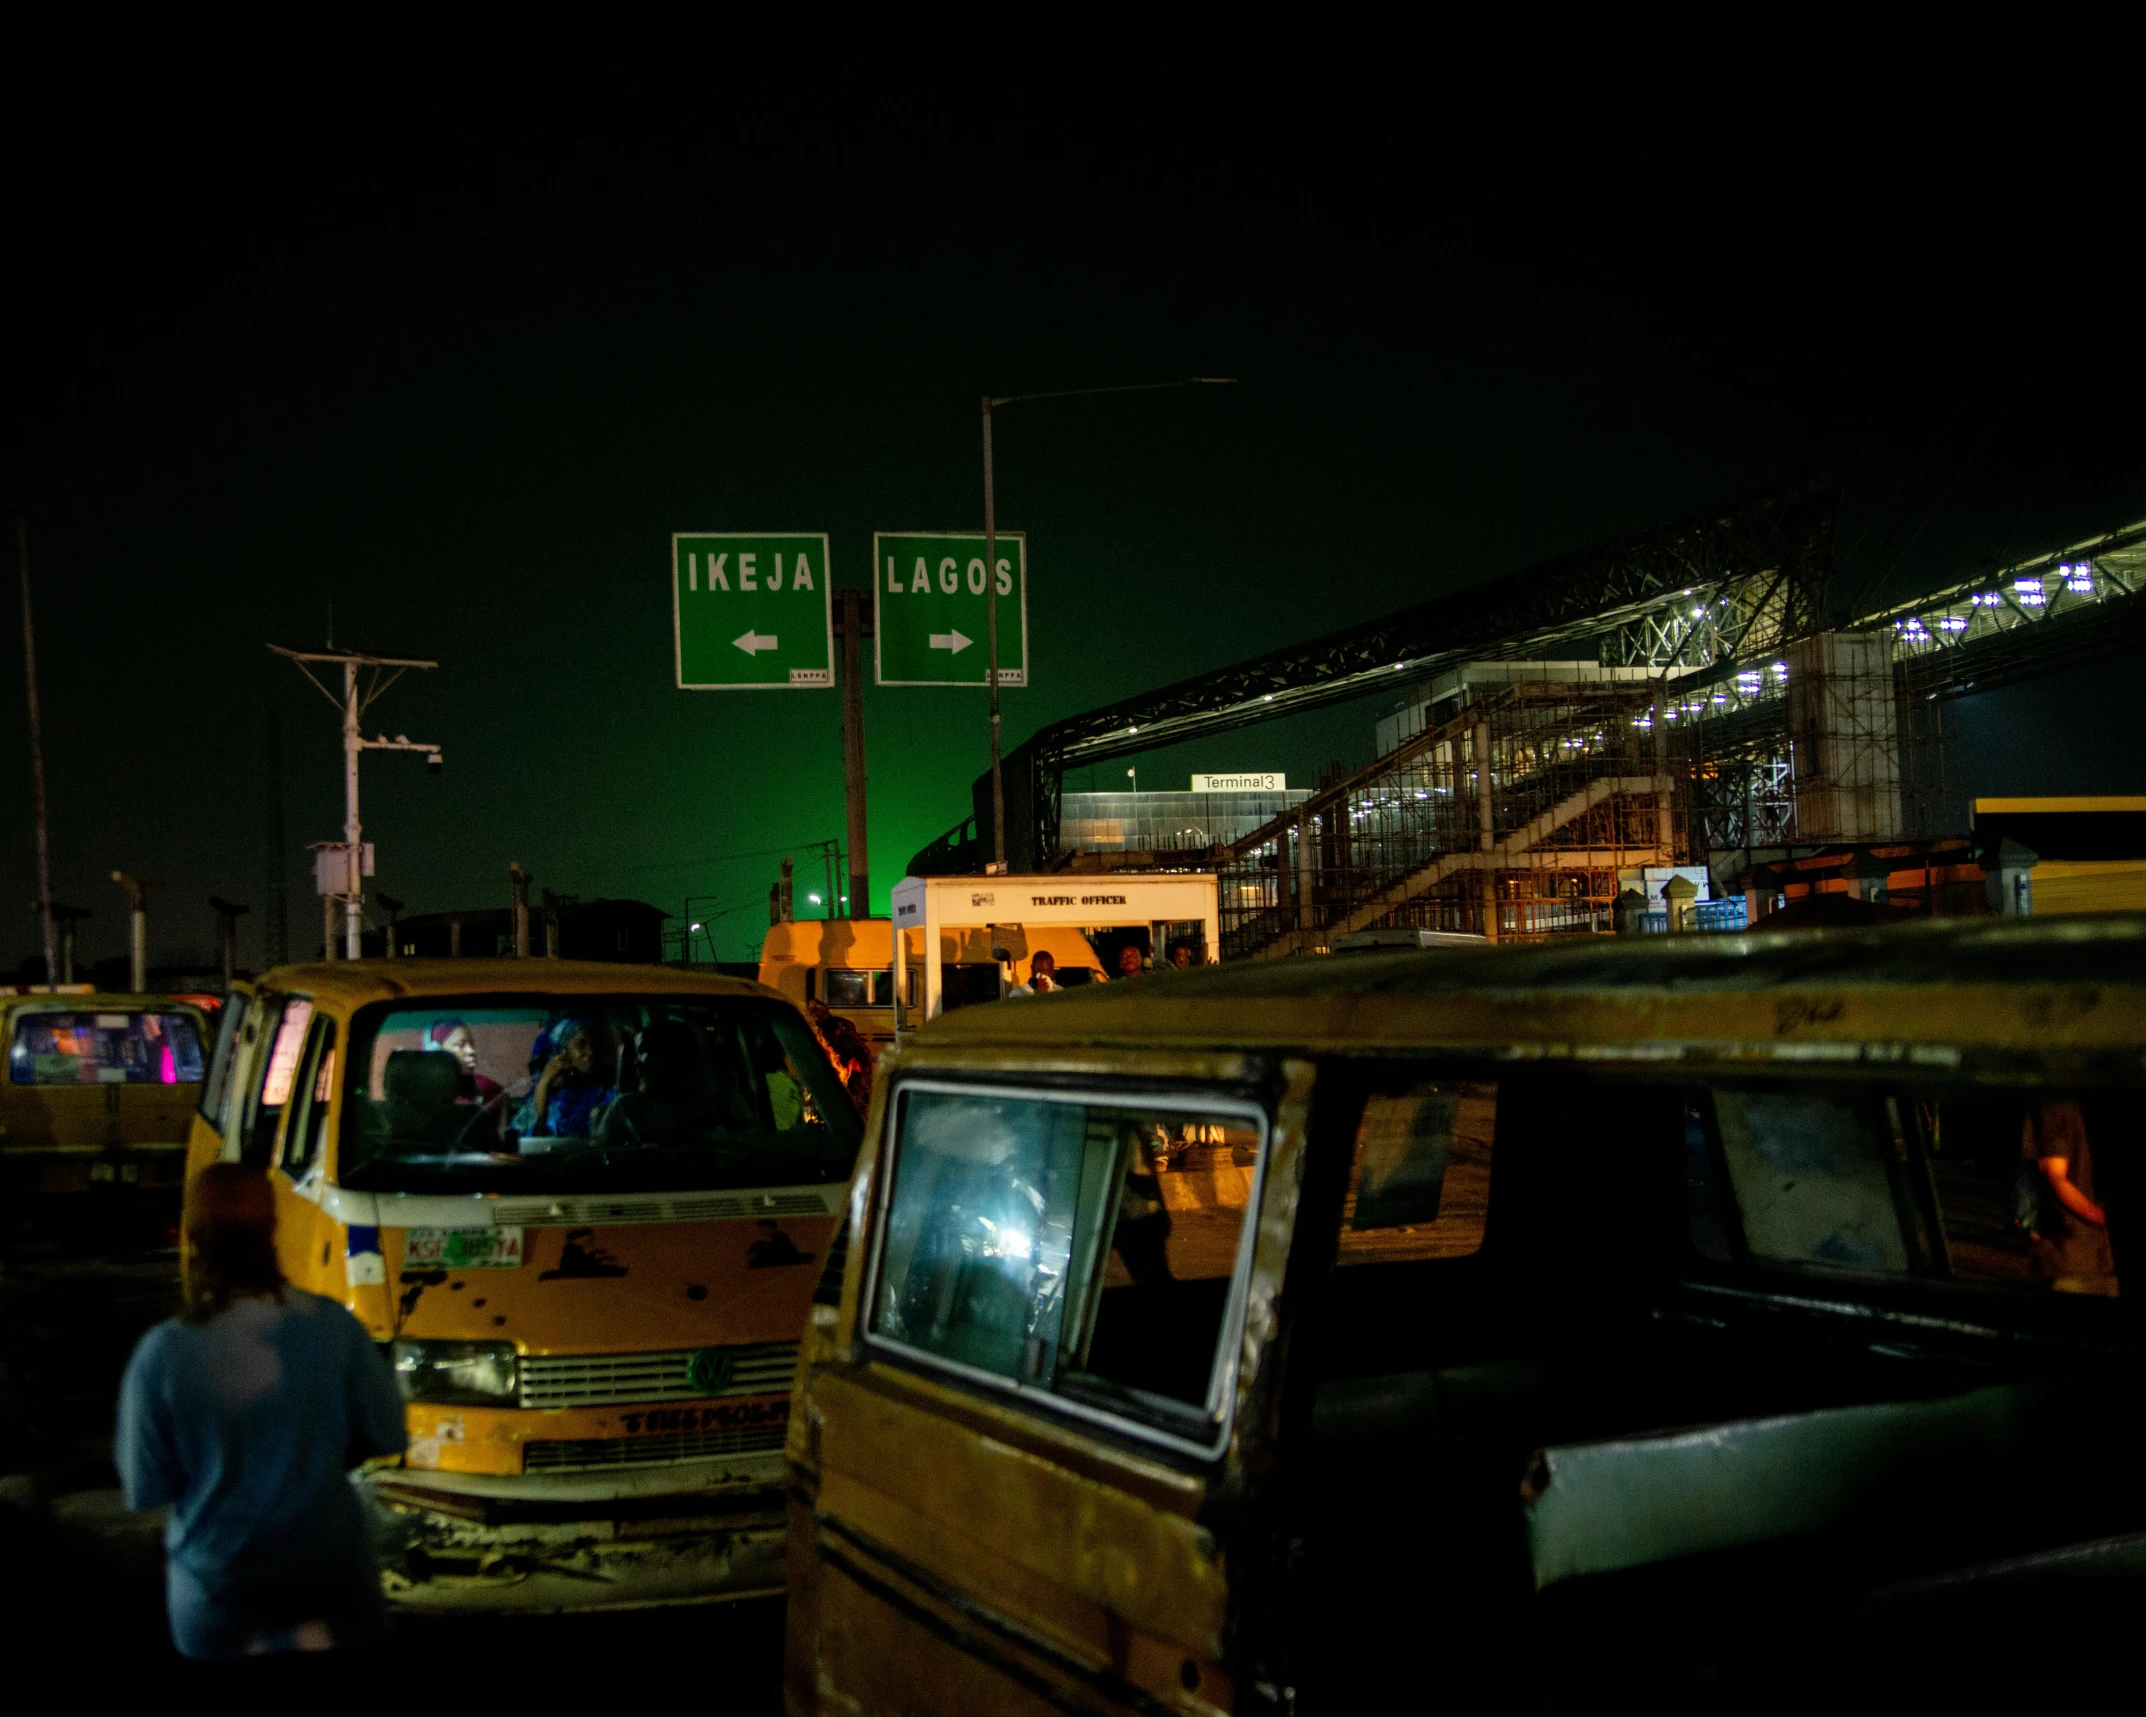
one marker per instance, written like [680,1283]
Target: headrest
[428,1078]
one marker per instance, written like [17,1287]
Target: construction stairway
[1510,818]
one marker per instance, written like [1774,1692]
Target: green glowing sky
[465,389]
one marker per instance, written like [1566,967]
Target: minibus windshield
[583,1093]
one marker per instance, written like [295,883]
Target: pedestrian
[1180,954]
[1132,962]
[1043,972]
[243,1416]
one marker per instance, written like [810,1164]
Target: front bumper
[574,1541]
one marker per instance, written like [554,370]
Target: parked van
[99,1090]
[848,963]
[583,1208]
[1469,1324]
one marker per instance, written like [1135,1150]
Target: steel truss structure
[1716,605]
[2082,603]
[1512,820]
[1715,586]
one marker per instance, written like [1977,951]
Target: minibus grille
[563,1455]
[622,1379]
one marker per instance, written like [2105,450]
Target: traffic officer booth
[958,917]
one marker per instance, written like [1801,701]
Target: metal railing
[1509,818]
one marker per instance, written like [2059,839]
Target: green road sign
[930,623]
[751,611]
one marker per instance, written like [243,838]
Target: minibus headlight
[474,1373]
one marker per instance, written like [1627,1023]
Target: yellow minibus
[1714,1315]
[583,1208]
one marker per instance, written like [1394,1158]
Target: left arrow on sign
[953,641]
[752,643]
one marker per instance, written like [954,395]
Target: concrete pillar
[1304,869]
[1485,833]
[2008,875]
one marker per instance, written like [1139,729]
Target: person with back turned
[243,1416]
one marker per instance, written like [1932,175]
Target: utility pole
[227,917]
[518,892]
[68,917]
[394,912]
[276,932]
[37,755]
[355,700]
[998,773]
[856,624]
[138,940]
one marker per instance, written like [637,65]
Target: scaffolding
[1510,819]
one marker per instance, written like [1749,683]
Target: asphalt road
[81,1579]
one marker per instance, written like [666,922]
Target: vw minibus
[583,1209]
[99,1090]
[1703,1314]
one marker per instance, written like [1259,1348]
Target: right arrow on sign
[752,643]
[953,641]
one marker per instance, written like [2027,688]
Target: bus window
[52,1048]
[309,1117]
[1421,1184]
[1809,1168]
[279,1069]
[1086,1248]
[844,987]
[216,1089]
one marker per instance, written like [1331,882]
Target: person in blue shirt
[571,1096]
[243,1416]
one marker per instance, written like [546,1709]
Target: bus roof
[2000,984]
[353,983]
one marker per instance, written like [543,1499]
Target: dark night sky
[460,359]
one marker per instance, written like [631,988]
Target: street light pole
[998,772]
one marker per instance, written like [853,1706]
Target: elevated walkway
[1511,819]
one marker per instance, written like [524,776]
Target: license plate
[463,1249]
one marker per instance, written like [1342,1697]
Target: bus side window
[216,1088]
[847,987]
[309,1112]
[278,1073]
[1421,1184]
[811,976]
[883,988]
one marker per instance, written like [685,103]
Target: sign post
[932,622]
[751,610]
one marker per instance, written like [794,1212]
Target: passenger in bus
[451,1036]
[1142,1236]
[569,1099]
[2070,1233]
[846,1048]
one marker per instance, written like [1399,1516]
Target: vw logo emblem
[709,1370]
